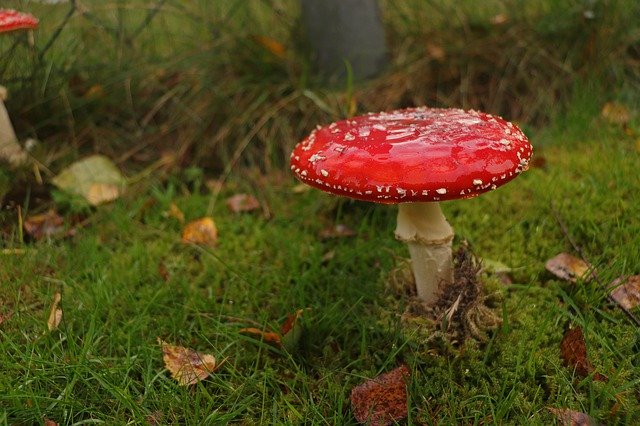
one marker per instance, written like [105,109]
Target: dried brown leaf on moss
[5,316]
[568,267]
[616,113]
[55,313]
[568,417]
[187,366]
[240,203]
[573,351]
[43,225]
[202,231]
[287,338]
[625,291]
[382,400]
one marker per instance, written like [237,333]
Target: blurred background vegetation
[229,83]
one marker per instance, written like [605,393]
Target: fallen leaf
[175,212]
[383,400]
[499,19]
[291,331]
[337,231]
[49,422]
[242,203]
[43,225]
[568,267]
[94,92]
[273,46]
[435,51]
[568,417]
[163,272]
[5,317]
[289,336]
[626,291]
[187,366]
[202,231]
[573,351]
[270,337]
[155,418]
[100,193]
[55,313]
[616,113]
[94,178]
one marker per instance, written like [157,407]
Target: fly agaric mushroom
[416,158]
[10,149]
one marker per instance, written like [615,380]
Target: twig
[578,249]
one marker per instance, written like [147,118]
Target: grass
[191,80]
[104,363]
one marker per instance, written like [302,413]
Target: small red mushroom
[10,149]
[11,20]
[416,158]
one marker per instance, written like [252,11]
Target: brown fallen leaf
[163,272]
[187,366]
[383,400]
[616,113]
[337,231]
[270,337]
[273,46]
[43,225]
[499,19]
[240,203]
[289,336]
[6,316]
[291,330]
[175,213]
[55,313]
[568,417]
[49,422]
[573,351]
[568,267]
[202,231]
[625,291]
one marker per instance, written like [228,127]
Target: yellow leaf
[55,313]
[94,178]
[187,366]
[202,231]
[99,193]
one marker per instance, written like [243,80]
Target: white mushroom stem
[10,149]
[424,228]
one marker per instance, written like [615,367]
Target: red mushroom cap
[412,155]
[11,20]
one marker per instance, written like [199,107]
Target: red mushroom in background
[416,158]
[10,149]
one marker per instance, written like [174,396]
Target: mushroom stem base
[428,234]
[432,269]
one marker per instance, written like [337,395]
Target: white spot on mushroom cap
[324,172]
[441,191]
